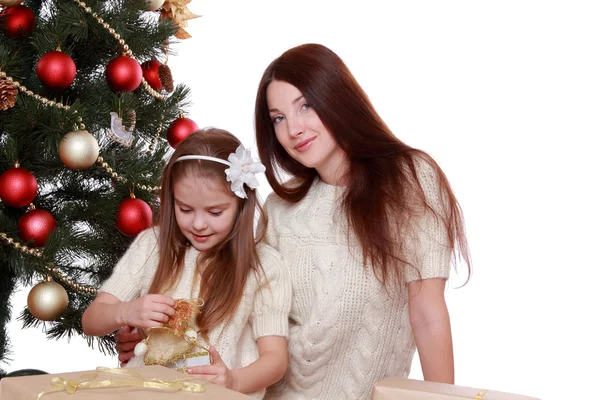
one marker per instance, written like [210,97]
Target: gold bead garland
[155,140]
[148,188]
[121,41]
[109,170]
[37,253]
[46,102]
[74,286]
[20,247]
[43,100]
[119,178]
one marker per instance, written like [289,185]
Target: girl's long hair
[383,176]
[223,270]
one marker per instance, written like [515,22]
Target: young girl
[203,247]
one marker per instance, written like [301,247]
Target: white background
[506,96]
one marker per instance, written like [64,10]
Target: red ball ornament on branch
[18,187]
[134,216]
[17,21]
[150,72]
[36,225]
[123,74]
[179,130]
[56,70]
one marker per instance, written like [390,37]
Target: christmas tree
[88,114]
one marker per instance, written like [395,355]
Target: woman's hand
[217,372]
[126,340]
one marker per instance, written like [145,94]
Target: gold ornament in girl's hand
[184,311]
[175,344]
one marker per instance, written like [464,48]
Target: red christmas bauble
[36,225]
[123,74]
[134,216]
[17,21]
[150,72]
[179,130]
[56,70]
[18,187]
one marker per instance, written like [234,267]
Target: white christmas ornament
[140,349]
[118,133]
[153,5]
[192,334]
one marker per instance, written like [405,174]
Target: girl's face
[300,130]
[205,210]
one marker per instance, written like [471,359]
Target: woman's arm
[431,328]
[126,340]
[107,313]
[268,369]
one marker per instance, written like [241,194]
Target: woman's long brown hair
[223,271]
[382,177]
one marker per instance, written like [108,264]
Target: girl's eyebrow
[218,205]
[181,203]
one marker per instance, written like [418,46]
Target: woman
[367,226]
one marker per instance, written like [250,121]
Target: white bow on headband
[242,169]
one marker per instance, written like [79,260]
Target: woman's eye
[305,106]
[216,214]
[184,210]
[277,120]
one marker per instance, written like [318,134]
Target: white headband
[242,169]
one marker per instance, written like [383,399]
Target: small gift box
[410,389]
[144,383]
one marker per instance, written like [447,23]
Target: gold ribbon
[60,384]
[480,394]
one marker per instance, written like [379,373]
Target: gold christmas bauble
[47,300]
[78,150]
[153,5]
[10,3]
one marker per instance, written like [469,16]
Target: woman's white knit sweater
[346,331]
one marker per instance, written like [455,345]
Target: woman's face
[300,130]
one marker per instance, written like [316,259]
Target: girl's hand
[216,373]
[148,311]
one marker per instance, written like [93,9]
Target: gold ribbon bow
[60,384]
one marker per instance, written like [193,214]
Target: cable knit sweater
[346,331]
[263,310]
